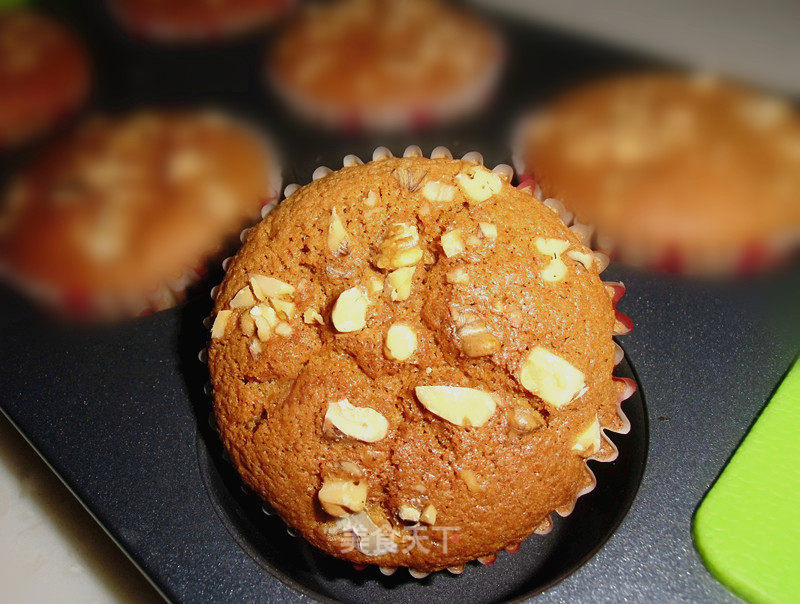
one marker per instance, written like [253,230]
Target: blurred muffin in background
[385,64]
[44,75]
[122,216]
[680,173]
[195,20]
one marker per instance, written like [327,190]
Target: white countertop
[51,549]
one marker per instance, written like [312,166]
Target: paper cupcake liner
[608,451]
[167,31]
[747,260]
[110,307]
[460,103]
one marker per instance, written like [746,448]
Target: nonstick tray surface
[121,416]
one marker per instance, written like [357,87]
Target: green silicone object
[747,529]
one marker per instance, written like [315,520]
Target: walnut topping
[247,324]
[550,377]
[488,230]
[556,269]
[350,310]
[283,308]
[373,283]
[400,282]
[271,287]
[400,246]
[255,348]
[428,515]
[524,420]
[243,298]
[265,320]
[589,440]
[457,276]
[283,329]
[220,322]
[371,200]
[409,179]
[401,342]
[408,513]
[351,469]
[479,184]
[362,423]
[338,239]
[551,247]
[438,191]
[458,405]
[469,478]
[452,243]
[476,340]
[341,498]
[311,315]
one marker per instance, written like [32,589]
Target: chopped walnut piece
[284,309]
[452,243]
[247,324]
[401,342]
[400,246]
[457,276]
[428,515]
[311,315]
[371,200]
[338,239]
[243,299]
[476,340]
[523,419]
[341,498]
[283,329]
[479,184]
[438,191]
[408,513]
[409,179]
[350,310]
[220,322]
[469,478]
[589,440]
[550,377]
[400,282]
[458,405]
[362,423]
[271,287]
[488,230]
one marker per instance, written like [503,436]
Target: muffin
[411,361]
[195,20]
[385,64]
[677,172]
[44,75]
[121,216]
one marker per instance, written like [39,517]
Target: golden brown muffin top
[358,54]
[661,161]
[413,345]
[44,73]
[124,205]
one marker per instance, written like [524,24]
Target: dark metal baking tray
[120,415]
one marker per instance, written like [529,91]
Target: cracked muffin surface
[411,361]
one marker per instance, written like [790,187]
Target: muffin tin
[121,415]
